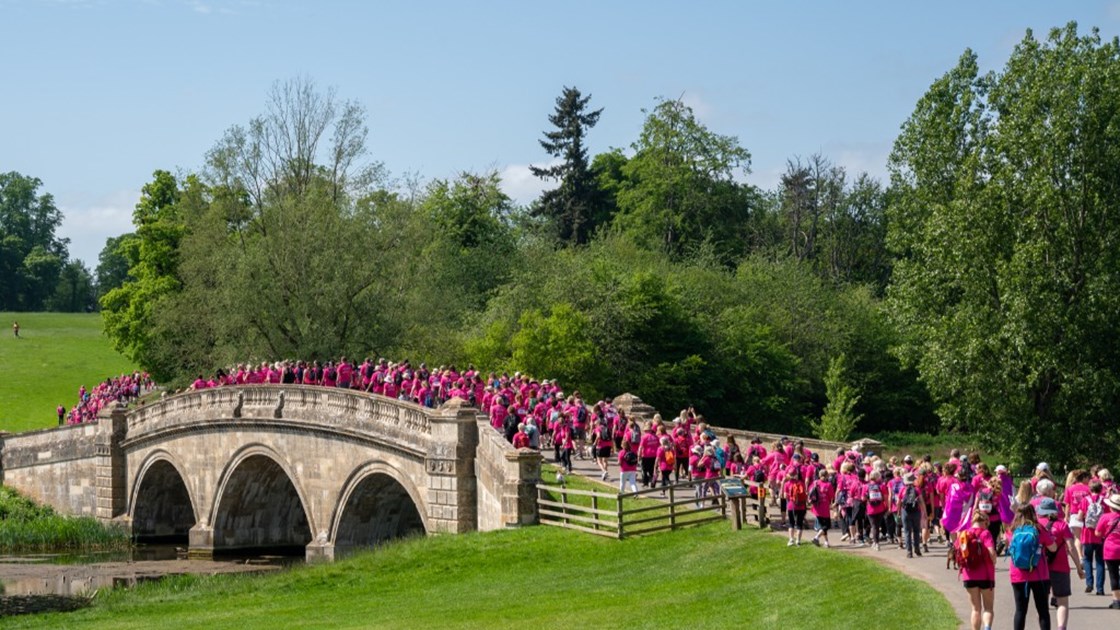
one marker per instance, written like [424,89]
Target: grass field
[55,354]
[541,577]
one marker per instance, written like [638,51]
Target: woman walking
[1108,528]
[978,571]
[1029,572]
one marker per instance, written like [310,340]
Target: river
[48,582]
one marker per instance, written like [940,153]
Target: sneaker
[1054,602]
[826,544]
[1100,592]
[918,553]
[844,538]
[875,546]
[909,554]
[799,543]
[816,543]
[925,547]
[789,543]
[1088,589]
[1115,604]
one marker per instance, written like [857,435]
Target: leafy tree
[680,185]
[839,418]
[574,207]
[31,255]
[153,257]
[558,345]
[113,263]
[1005,225]
[75,291]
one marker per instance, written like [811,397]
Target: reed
[28,527]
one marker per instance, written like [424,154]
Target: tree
[574,207]
[680,184]
[839,418]
[31,255]
[74,292]
[1005,222]
[113,263]
[153,258]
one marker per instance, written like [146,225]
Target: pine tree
[573,207]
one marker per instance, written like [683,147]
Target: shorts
[579,434]
[983,584]
[823,524]
[796,519]
[603,452]
[1059,584]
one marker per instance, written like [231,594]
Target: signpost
[736,494]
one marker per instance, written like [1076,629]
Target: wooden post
[595,511]
[736,515]
[619,507]
[564,503]
[672,509]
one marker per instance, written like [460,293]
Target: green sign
[732,487]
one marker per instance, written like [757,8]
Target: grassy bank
[540,577]
[55,355]
[26,527]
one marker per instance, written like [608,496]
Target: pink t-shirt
[825,494]
[872,490]
[623,466]
[1108,528]
[662,461]
[789,492]
[649,444]
[1088,534]
[1040,573]
[1062,535]
[985,570]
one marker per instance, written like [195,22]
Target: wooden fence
[617,515]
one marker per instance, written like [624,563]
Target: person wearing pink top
[821,494]
[1036,581]
[1090,511]
[628,469]
[1059,562]
[666,461]
[980,578]
[1108,528]
[876,497]
[647,450]
[796,494]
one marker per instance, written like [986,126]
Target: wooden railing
[618,515]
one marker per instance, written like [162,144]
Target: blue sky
[99,93]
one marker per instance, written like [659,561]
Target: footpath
[1086,610]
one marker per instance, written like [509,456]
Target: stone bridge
[279,467]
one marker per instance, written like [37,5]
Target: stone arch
[161,506]
[378,502]
[259,505]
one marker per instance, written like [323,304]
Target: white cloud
[700,107]
[521,185]
[89,225]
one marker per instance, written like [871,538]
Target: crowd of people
[123,388]
[1045,530]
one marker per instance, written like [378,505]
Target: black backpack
[631,458]
[759,475]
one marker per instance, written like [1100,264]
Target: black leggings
[1113,573]
[1023,592]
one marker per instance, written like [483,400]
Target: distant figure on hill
[61,414]
[15,329]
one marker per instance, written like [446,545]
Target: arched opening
[260,511]
[163,512]
[378,509]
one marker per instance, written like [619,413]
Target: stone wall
[507,481]
[57,467]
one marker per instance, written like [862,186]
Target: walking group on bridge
[1045,531]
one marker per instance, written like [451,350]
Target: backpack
[968,552]
[814,494]
[797,493]
[670,456]
[874,493]
[631,458]
[1024,548]
[911,500]
[759,475]
[581,413]
[1093,513]
[635,436]
[842,494]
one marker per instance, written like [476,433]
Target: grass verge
[26,527]
[540,577]
[55,355]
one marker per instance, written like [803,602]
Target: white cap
[1043,466]
[1001,468]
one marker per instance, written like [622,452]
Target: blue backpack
[1024,548]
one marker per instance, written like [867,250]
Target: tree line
[973,291]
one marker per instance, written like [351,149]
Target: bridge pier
[201,542]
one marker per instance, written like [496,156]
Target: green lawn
[541,577]
[55,354]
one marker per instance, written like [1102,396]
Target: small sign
[732,487]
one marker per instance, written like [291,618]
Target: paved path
[1086,611]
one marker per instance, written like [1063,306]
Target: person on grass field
[15,329]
